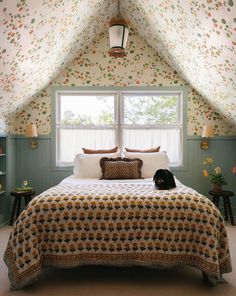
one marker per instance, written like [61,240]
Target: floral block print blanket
[114,223]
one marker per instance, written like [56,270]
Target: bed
[87,221]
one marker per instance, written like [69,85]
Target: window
[104,119]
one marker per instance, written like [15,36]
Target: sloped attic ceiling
[197,38]
[38,38]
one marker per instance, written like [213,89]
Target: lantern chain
[119,7]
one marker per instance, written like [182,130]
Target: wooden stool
[17,202]
[227,205]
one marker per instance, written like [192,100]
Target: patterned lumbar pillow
[121,168]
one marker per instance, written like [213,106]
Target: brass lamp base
[204,145]
[33,143]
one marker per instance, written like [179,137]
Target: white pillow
[151,162]
[88,165]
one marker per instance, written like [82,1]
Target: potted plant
[215,174]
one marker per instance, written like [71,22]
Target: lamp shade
[207,131]
[118,36]
[31,131]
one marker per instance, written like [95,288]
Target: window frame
[118,92]
[58,113]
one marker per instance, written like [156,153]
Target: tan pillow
[121,168]
[100,151]
[157,149]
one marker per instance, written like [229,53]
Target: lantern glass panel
[116,36]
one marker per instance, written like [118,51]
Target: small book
[24,188]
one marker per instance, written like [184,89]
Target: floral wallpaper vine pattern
[198,39]
[40,38]
[142,67]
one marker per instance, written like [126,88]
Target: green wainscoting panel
[36,166]
[223,152]
[11,176]
[5,200]
[3,176]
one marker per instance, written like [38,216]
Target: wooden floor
[113,281]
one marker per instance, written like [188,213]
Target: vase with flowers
[215,174]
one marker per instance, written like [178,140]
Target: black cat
[164,179]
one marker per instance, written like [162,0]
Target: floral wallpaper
[198,39]
[142,66]
[40,39]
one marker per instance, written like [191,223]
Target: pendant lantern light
[118,36]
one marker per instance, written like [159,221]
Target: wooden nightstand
[27,195]
[226,194]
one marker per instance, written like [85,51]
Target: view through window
[102,120]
